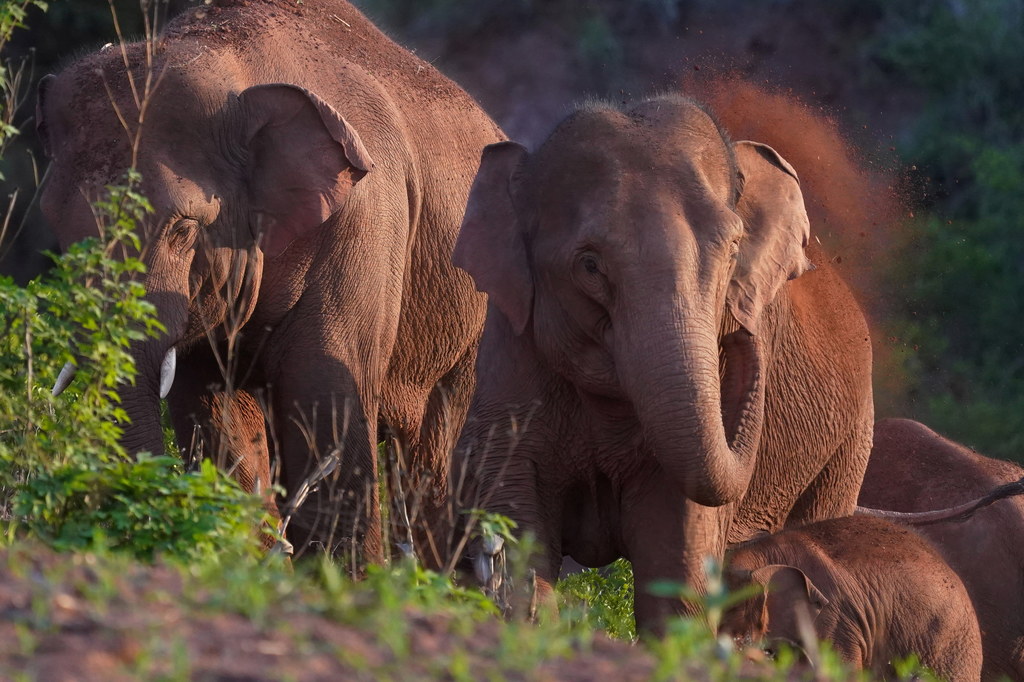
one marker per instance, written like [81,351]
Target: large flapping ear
[42,129]
[303,159]
[490,246]
[789,593]
[776,232]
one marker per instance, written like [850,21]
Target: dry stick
[325,468]
[959,513]
[403,508]
[10,210]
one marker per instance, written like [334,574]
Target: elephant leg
[511,486]
[327,441]
[427,428]
[833,492]
[667,538]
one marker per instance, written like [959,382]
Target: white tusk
[483,564]
[64,379]
[483,568]
[167,372]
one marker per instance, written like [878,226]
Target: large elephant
[651,384]
[874,590]
[308,177]
[912,469]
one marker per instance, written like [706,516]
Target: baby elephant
[875,590]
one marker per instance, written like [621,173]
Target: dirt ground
[63,620]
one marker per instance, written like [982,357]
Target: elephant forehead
[174,189]
[94,108]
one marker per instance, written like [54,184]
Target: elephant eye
[182,233]
[590,264]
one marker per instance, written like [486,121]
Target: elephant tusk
[483,568]
[483,565]
[64,379]
[167,372]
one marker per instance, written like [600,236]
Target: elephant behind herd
[683,375]
[667,365]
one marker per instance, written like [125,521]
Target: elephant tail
[958,513]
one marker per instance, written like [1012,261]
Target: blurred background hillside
[917,107]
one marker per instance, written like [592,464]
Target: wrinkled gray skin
[876,591]
[651,384]
[308,177]
[913,469]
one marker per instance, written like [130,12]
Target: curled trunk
[704,431]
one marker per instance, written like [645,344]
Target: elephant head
[784,611]
[640,250]
[235,173]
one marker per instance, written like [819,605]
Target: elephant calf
[913,469]
[875,590]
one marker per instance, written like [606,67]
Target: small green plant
[712,604]
[483,523]
[144,507]
[606,597]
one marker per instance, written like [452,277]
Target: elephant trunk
[154,375]
[700,404]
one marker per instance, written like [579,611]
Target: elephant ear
[792,602]
[777,229]
[302,160]
[490,246]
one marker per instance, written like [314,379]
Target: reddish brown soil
[147,624]
[63,619]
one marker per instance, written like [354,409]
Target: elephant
[308,178]
[912,468]
[875,590]
[663,370]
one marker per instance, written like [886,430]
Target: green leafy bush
[144,507]
[956,277]
[63,476]
[605,596]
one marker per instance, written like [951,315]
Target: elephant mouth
[740,373]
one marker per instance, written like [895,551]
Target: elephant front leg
[327,444]
[423,513]
[667,538]
[511,486]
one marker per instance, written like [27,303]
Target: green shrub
[957,274]
[144,507]
[63,476]
[605,596]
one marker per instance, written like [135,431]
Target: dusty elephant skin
[875,590]
[912,469]
[308,177]
[651,385]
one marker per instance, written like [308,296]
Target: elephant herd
[664,367]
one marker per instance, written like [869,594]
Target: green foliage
[143,507]
[605,596]
[484,523]
[87,310]
[12,16]
[63,475]
[960,267]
